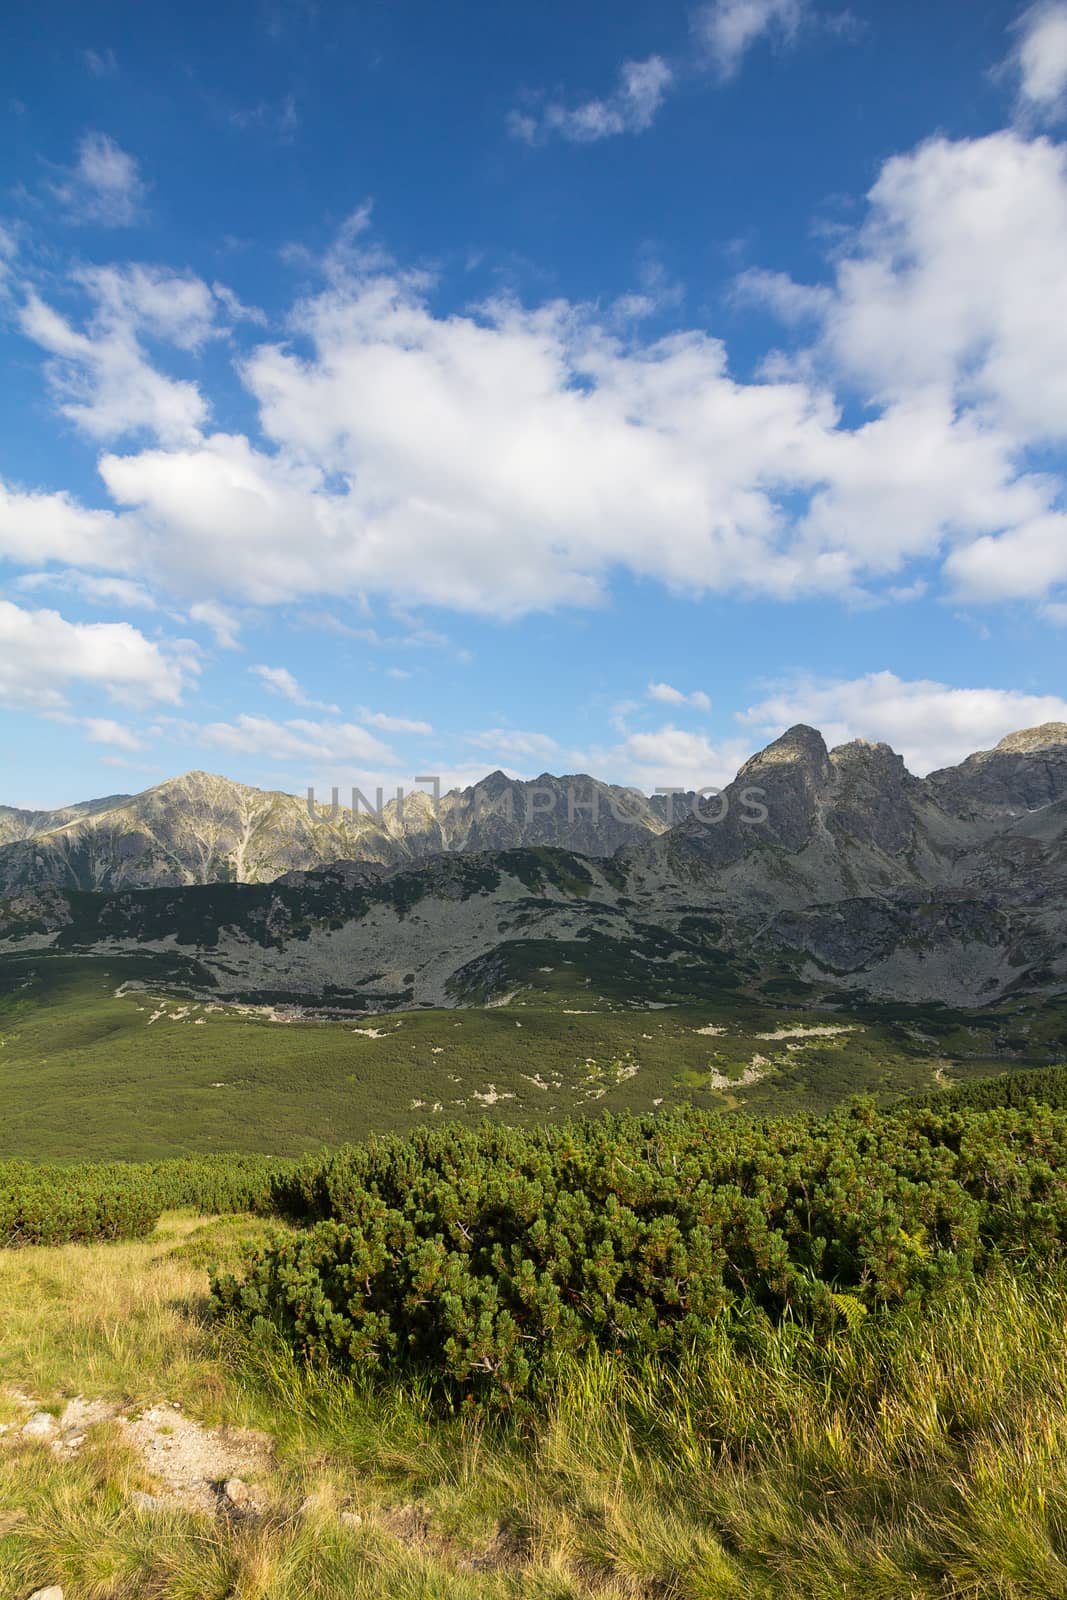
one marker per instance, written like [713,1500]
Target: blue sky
[399,388]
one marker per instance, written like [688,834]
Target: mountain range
[816,873]
[200,828]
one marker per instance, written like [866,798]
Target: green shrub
[123,1200]
[40,1205]
[477,1258]
[217,1184]
[1045,1084]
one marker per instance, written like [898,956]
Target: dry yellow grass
[907,1460]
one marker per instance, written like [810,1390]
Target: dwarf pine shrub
[477,1259]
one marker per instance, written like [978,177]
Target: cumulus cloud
[669,695]
[506,458]
[220,621]
[514,742]
[1023,564]
[298,740]
[235,307]
[281,681]
[930,724]
[102,376]
[123,592]
[102,730]
[939,318]
[1040,61]
[42,656]
[630,108]
[36,527]
[790,301]
[500,462]
[391,724]
[728,29]
[670,757]
[104,186]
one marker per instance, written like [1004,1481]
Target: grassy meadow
[98,1061]
[917,1457]
[913,1450]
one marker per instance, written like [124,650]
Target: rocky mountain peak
[868,754]
[493,785]
[1024,772]
[1044,736]
[874,797]
[798,746]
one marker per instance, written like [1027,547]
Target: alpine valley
[819,873]
[204,966]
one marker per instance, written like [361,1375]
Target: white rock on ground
[42,1425]
[191,1461]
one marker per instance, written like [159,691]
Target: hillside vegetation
[694,1357]
[91,1073]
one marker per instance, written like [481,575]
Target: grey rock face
[1024,772]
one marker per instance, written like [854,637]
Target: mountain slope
[817,872]
[200,828]
[16,824]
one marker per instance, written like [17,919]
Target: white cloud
[507,459]
[729,28]
[790,301]
[1040,61]
[670,757]
[668,695]
[173,306]
[104,187]
[499,463]
[235,308]
[389,724]
[631,108]
[122,592]
[220,621]
[930,724]
[42,655]
[514,742]
[961,338]
[281,681]
[102,377]
[937,298]
[298,740]
[101,730]
[8,251]
[1023,564]
[101,63]
[725,30]
[53,527]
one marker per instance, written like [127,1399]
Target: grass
[915,1456]
[87,1073]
